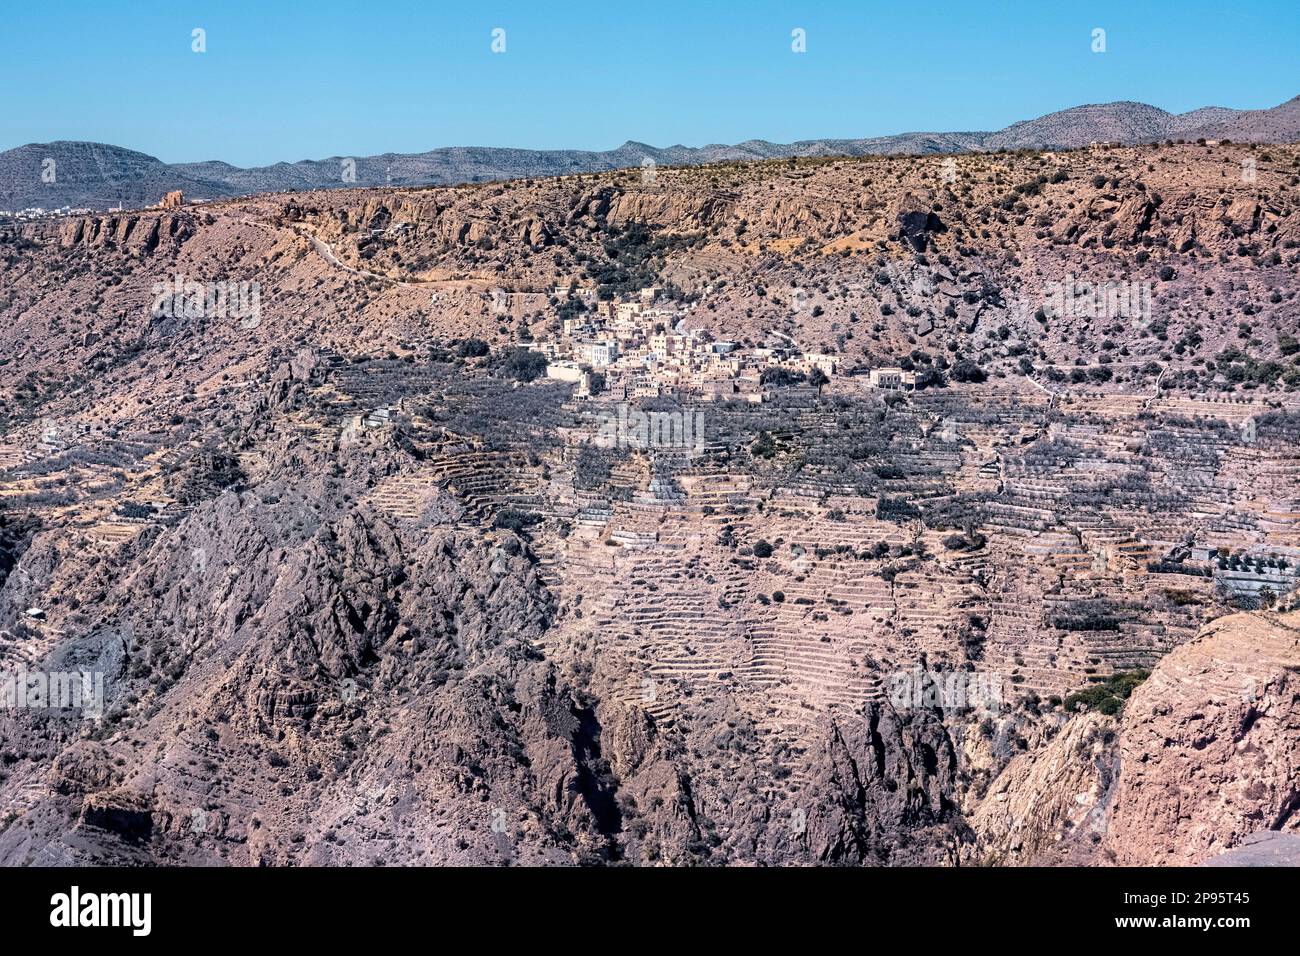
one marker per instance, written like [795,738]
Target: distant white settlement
[645,348]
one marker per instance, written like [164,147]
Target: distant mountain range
[97,176]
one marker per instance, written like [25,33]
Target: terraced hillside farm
[879,510]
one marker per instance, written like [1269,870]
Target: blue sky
[288,80]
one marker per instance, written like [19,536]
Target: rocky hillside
[1281,124]
[1209,747]
[1202,760]
[92,176]
[364,585]
[299,678]
[1082,125]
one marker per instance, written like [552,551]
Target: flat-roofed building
[564,371]
[827,363]
[892,378]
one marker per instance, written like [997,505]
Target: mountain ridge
[99,175]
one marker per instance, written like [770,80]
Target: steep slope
[1210,745]
[1205,759]
[467,633]
[296,679]
[1048,806]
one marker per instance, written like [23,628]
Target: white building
[827,363]
[564,371]
[892,378]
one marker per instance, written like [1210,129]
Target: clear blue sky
[286,80]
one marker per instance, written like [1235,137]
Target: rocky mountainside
[364,583]
[1203,759]
[92,176]
[1106,122]
[97,176]
[1281,124]
[1209,747]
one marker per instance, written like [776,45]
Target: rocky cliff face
[1210,746]
[886,788]
[1049,805]
[136,235]
[291,678]
[1203,759]
[358,697]
[323,686]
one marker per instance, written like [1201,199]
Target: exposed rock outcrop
[917,221]
[1049,805]
[1210,745]
[1265,848]
[881,775]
